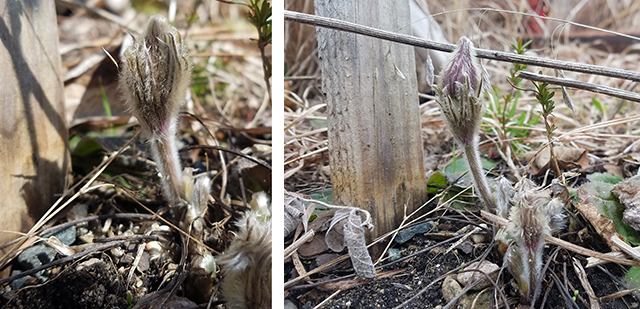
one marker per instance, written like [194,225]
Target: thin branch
[614,92]
[481,53]
[565,244]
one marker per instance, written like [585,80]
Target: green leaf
[598,105]
[84,147]
[599,194]
[105,102]
[512,112]
[436,183]
[605,177]
[325,195]
[633,277]
[458,167]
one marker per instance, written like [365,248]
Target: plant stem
[554,160]
[165,153]
[479,179]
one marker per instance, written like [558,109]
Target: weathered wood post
[33,135]
[375,148]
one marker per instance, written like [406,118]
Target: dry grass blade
[582,275]
[294,246]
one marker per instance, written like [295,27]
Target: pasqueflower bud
[528,227]
[246,264]
[154,77]
[459,94]
[533,217]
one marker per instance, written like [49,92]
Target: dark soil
[95,286]
[422,269]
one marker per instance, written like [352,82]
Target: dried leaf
[354,238]
[603,225]
[605,212]
[568,158]
[430,71]
[628,192]
[335,237]
[294,214]
[57,245]
[601,196]
[565,93]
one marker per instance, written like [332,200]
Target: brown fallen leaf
[568,158]
[603,225]
[628,191]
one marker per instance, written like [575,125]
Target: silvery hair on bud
[155,75]
[246,264]
[459,92]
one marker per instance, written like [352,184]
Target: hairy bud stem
[154,78]
[460,95]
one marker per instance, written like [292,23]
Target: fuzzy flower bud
[246,264]
[154,77]
[533,217]
[459,92]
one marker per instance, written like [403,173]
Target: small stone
[465,247]
[36,256]
[143,265]
[470,277]
[450,288]
[116,252]
[90,263]
[394,254]
[66,236]
[18,283]
[127,259]
[408,233]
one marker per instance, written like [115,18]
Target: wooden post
[34,158]
[375,147]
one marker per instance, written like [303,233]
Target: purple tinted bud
[464,63]
[459,92]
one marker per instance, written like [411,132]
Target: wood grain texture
[33,134]
[375,148]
